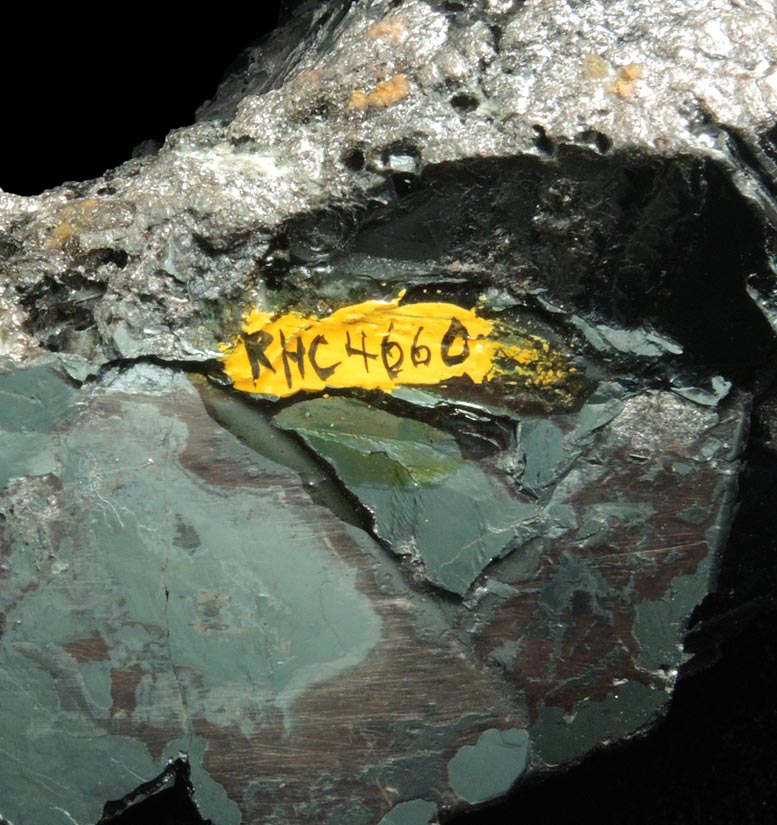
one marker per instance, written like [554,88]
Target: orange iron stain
[385,94]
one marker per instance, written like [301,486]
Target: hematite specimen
[371,608]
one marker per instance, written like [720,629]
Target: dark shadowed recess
[82,89]
[628,238]
[167,799]
[712,762]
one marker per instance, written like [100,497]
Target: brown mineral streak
[562,664]
[91,649]
[345,724]
[201,458]
[70,689]
[72,695]
[124,684]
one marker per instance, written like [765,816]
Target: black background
[80,91]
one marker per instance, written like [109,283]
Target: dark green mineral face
[402,602]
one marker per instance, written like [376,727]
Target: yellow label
[381,345]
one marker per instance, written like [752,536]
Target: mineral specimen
[351,601]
